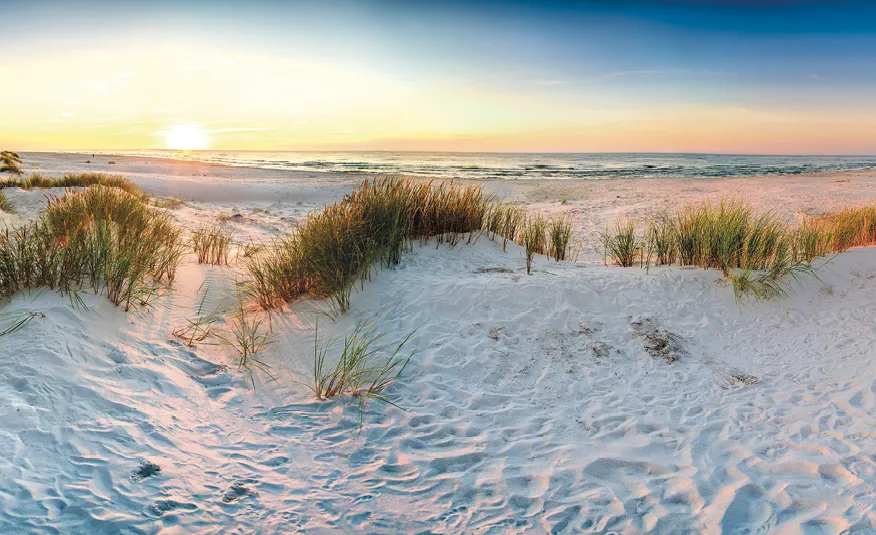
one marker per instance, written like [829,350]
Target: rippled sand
[580,399]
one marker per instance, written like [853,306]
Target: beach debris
[657,341]
[601,350]
[494,270]
[146,469]
[237,491]
[737,377]
[496,332]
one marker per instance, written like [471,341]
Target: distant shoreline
[508,166]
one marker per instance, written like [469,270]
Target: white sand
[532,403]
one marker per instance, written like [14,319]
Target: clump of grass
[852,227]
[212,245]
[246,336]
[337,247]
[5,205]
[513,218]
[812,240]
[534,241]
[168,202]
[10,162]
[559,237]
[103,238]
[621,244]
[365,368]
[71,180]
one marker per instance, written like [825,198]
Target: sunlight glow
[185,137]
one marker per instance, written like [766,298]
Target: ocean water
[524,165]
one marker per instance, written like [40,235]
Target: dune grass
[337,248]
[559,238]
[758,252]
[70,180]
[534,239]
[102,238]
[5,205]
[365,367]
[10,162]
[212,245]
[621,244]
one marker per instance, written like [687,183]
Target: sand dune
[580,399]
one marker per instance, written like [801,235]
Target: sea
[489,165]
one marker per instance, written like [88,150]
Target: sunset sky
[674,76]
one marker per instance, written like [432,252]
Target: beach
[532,403]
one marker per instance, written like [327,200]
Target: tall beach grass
[336,248]
[102,238]
[71,180]
[5,205]
[757,251]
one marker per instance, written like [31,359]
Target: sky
[756,77]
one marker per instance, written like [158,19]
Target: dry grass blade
[17,321]
[359,370]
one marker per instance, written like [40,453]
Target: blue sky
[784,76]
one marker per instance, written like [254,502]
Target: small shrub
[212,245]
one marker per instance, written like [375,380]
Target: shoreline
[469,179]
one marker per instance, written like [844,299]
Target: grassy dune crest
[102,238]
[758,252]
[336,248]
[10,162]
[71,180]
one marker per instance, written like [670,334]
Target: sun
[185,137]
